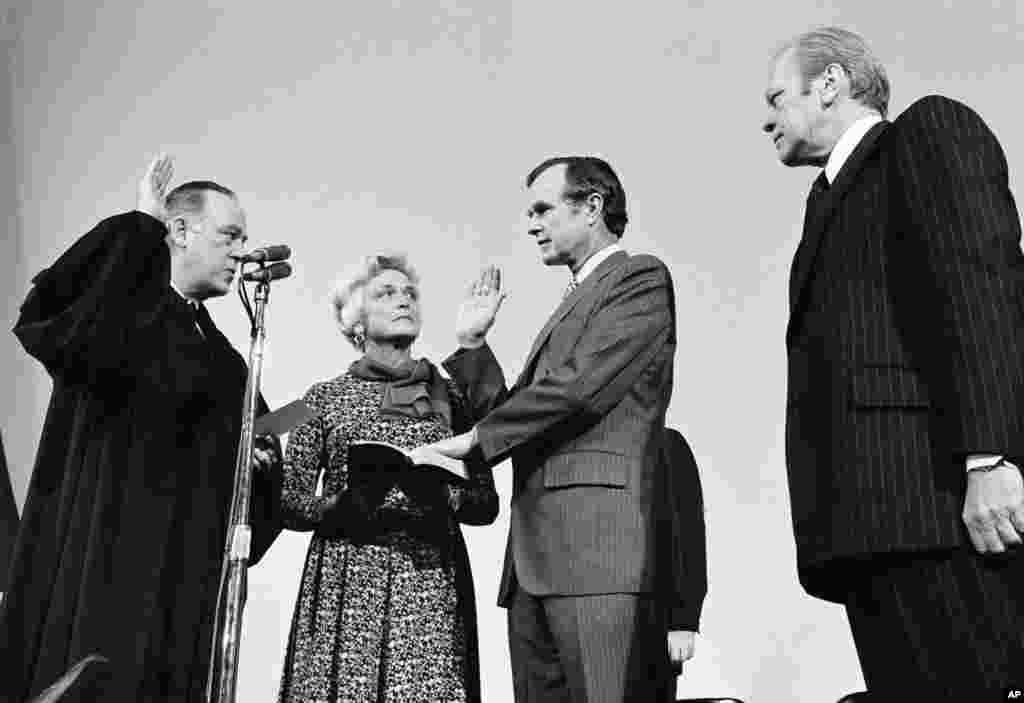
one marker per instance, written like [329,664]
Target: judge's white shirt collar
[847,143]
[594,261]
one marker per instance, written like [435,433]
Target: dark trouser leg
[537,675]
[945,626]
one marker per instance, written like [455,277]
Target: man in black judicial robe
[123,530]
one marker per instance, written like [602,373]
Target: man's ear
[832,81]
[594,205]
[177,232]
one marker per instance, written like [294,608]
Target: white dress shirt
[594,261]
[847,143]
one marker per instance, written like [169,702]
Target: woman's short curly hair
[347,296]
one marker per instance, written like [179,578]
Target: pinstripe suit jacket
[904,341]
[584,427]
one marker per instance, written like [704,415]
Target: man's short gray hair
[817,48]
[190,197]
[348,294]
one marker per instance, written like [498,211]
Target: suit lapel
[816,222]
[568,303]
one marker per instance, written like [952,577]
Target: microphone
[281,269]
[264,255]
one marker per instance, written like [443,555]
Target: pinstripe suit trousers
[944,625]
[589,649]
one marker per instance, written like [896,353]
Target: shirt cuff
[983,462]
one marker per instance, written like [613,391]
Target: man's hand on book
[427,457]
[457,447]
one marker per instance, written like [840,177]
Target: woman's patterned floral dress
[392,618]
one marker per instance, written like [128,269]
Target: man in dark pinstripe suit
[598,599]
[905,409]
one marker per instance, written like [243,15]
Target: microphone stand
[223,670]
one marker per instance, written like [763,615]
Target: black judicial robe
[122,535]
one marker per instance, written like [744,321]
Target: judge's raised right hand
[153,187]
[479,308]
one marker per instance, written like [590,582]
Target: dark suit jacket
[583,425]
[904,342]
[682,559]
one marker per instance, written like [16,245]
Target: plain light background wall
[12,364]
[350,127]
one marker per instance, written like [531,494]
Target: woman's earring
[359,337]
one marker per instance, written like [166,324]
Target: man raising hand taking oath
[119,548]
[584,427]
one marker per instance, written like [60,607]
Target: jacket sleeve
[83,314]
[265,507]
[963,249]
[626,333]
[479,380]
[474,502]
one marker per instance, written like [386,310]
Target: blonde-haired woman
[386,608]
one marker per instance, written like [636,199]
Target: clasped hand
[264,453]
